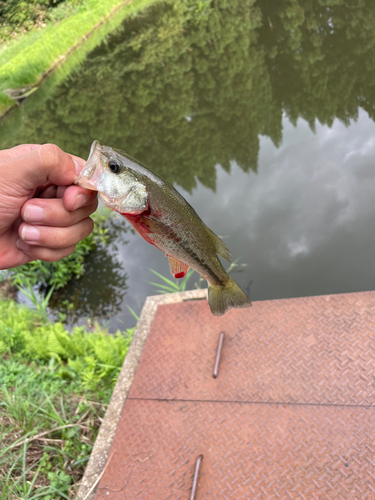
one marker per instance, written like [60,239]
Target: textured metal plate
[251,451]
[290,416]
[318,350]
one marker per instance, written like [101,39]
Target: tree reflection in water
[186,86]
[83,297]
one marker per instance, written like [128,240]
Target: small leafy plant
[54,388]
[40,303]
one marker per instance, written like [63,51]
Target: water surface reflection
[206,94]
[304,223]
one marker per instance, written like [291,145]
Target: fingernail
[30,233]
[80,201]
[33,213]
[22,245]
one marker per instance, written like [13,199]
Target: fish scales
[176,229]
[159,213]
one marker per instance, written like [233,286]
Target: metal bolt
[218,354]
[195,479]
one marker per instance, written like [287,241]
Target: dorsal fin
[178,269]
[220,246]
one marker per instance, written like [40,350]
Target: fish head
[111,174]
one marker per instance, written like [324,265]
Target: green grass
[25,60]
[54,388]
[47,430]
[169,286]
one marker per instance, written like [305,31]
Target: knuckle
[52,152]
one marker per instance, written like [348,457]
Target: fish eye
[114,167]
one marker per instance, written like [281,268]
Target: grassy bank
[54,384]
[26,60]
[54,389]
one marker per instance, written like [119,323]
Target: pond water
[262,115]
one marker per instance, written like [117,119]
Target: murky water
[261,114]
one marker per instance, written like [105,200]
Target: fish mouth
[89,175]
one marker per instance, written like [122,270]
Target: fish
[162,216]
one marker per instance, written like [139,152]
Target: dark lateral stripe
[204,266]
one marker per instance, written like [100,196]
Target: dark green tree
[181,88]
[189,85]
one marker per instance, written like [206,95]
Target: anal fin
[178,269]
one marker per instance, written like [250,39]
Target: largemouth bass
[163,218]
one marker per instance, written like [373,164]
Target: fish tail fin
[224,297]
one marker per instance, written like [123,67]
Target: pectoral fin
[178,269]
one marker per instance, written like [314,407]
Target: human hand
[42,215]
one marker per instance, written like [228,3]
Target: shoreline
[98,21]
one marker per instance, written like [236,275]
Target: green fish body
[163,218]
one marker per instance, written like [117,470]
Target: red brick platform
[291,414]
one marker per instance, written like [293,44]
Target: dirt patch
[8,290]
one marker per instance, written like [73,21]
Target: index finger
[21,149]
[43,163]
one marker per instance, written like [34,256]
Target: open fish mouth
[91,172]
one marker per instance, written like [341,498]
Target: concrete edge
[99,455]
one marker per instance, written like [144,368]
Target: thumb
[41,164]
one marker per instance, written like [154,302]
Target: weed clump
[54,389]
